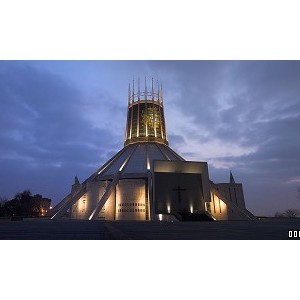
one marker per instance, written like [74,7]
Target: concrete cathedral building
[147,180]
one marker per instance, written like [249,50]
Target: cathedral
[147,180]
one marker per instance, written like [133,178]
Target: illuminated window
[143,119]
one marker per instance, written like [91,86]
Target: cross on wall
[179,190]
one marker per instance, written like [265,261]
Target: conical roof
[138,158]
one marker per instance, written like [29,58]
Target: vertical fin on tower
[132,90]
[139,91]
[146,123]
[138,114]
[129,93]
[152,90]
[158,93]
[145,87]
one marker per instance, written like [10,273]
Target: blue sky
[66,118]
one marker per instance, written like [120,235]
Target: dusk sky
[65,118]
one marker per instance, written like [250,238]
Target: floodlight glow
[191,209]
[169,208]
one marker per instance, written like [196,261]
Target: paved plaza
[44,229]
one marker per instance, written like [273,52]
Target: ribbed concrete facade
[130,198]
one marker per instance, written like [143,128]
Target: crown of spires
[155,94]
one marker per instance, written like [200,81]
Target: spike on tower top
[231,180]
[76,181]
[145,117]
[129,92]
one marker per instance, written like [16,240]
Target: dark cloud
[45,132]
[252,104]
[176,139]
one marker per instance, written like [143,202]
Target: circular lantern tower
[145,116]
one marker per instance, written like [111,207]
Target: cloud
[62,119]
[243,115]
[50,125]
